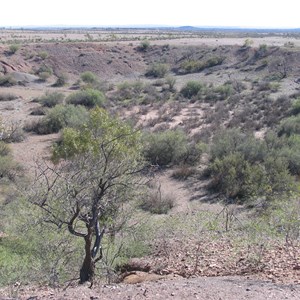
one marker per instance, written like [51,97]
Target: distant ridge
[229,28]
[152,27]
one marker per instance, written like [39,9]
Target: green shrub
[243,167]
[4,149]
[295,110]
[193,66]
[9,168]
[88,97]
[129,90]
[51,99]
[290,126]
[14,48]
[144,46]
[59,117]
[290,152]
[31,244]
[89,77]
[44,72]
[226,142]
[170,147]
[224,91]
[43,55]
[234,177]
[7,80]
[62,80]
[191,89]
[171,81]
[157,70]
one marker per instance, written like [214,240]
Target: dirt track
[206,288]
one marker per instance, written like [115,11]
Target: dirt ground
[203,288]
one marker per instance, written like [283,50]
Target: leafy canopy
[101,132]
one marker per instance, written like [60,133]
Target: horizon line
[146,26]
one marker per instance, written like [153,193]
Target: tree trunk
[87,270]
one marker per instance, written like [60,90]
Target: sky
[237,13]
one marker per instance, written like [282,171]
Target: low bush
[223,91]
[295,110]
[14,48]
[183,172]
[88,98]
[9,168]
[51,99]
[171,81]
[157,70]
[43,55]
[243,167]
[191,89]
[89,77]
[44,76]
[57,118]
[7,97]
[290,126]
[7,80]
[129,90]
[170,147]
[144,46]
[193,66]
[44,72]
[4,149]
[62,80]
[38,111]
[12,132]
[157,202]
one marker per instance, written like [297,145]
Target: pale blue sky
[254,13]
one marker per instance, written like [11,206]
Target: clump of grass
[7,97]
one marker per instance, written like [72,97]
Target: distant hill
[238,29]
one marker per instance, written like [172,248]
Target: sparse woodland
[121,155]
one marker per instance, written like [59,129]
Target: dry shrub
[183,172]
[158,202]
[7,97]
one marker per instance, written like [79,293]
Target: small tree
[94,173]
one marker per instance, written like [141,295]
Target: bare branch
[70,224]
